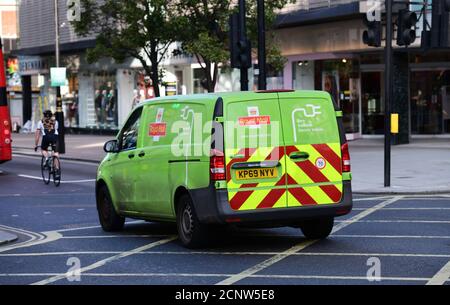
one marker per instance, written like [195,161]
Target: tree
[206,28]
[141,29]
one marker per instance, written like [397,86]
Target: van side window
[130,132]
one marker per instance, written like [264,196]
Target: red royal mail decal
[254,120]
[158,129]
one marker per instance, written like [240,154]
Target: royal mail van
[265,159]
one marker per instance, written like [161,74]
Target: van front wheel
[191,232]
[318,228]
[109,219]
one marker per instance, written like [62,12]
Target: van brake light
[346,164]
[217,166]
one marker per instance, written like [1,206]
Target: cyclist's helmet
[48,114]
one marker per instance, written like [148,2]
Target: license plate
[257,173]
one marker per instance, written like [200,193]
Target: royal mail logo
[158,129]
[254,121]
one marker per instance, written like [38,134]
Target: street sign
[58,77]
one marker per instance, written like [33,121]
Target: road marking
[442,276]
[270,276]
[407,209]
[77,253]
[94,227]
[35,238]
[116,236]
[392,236]
[399,221]
[372,198]
[275,259]
[64,160]
[64,182]
[107,260]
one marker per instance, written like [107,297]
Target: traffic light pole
[262,78]
[243,37]
[59,111]
[388,95]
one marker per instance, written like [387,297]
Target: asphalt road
[393,239]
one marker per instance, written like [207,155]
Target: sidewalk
[422,167]
[418,168]
[78,147]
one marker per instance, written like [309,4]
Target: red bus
[5,120]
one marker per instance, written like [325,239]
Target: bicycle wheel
[56,171]
[46,171]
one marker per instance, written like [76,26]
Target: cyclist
[48,127]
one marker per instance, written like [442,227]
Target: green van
[265,159]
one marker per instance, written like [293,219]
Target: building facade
[322,41]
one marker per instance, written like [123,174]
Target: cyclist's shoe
[57,174]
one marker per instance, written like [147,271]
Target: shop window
[105,100]
[430,102]
[341,79]
[372,102]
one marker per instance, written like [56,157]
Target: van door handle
[301,156]
[141,154]
[237,157]
[131,156]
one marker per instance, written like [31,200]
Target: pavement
[422,167]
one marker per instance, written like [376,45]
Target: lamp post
[262,78]
[243,39]
[388,95]
[59,111]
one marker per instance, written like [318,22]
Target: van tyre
[318,228]
[109,219]
[191,232]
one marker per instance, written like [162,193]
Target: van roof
[234,96]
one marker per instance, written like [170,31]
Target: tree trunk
[154,75]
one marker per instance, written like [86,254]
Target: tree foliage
[144,29]
[141,29]
[206,24]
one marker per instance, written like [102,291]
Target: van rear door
[313,149]
[254,150]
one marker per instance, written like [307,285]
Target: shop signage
[33,65]
[58,77]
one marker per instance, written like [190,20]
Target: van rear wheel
[109,219]
[318,228]
[191,232]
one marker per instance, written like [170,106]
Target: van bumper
[212,207]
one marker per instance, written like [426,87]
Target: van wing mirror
[111,146]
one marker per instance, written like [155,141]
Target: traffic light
[241,56]
[406,27]
[372,36]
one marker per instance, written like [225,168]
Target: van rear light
[346,164]
[217,166]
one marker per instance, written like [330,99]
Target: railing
[313,4]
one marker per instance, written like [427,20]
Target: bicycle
[51,168]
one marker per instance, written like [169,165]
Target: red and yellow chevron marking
[271,194]
[326,183]
[296,175]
